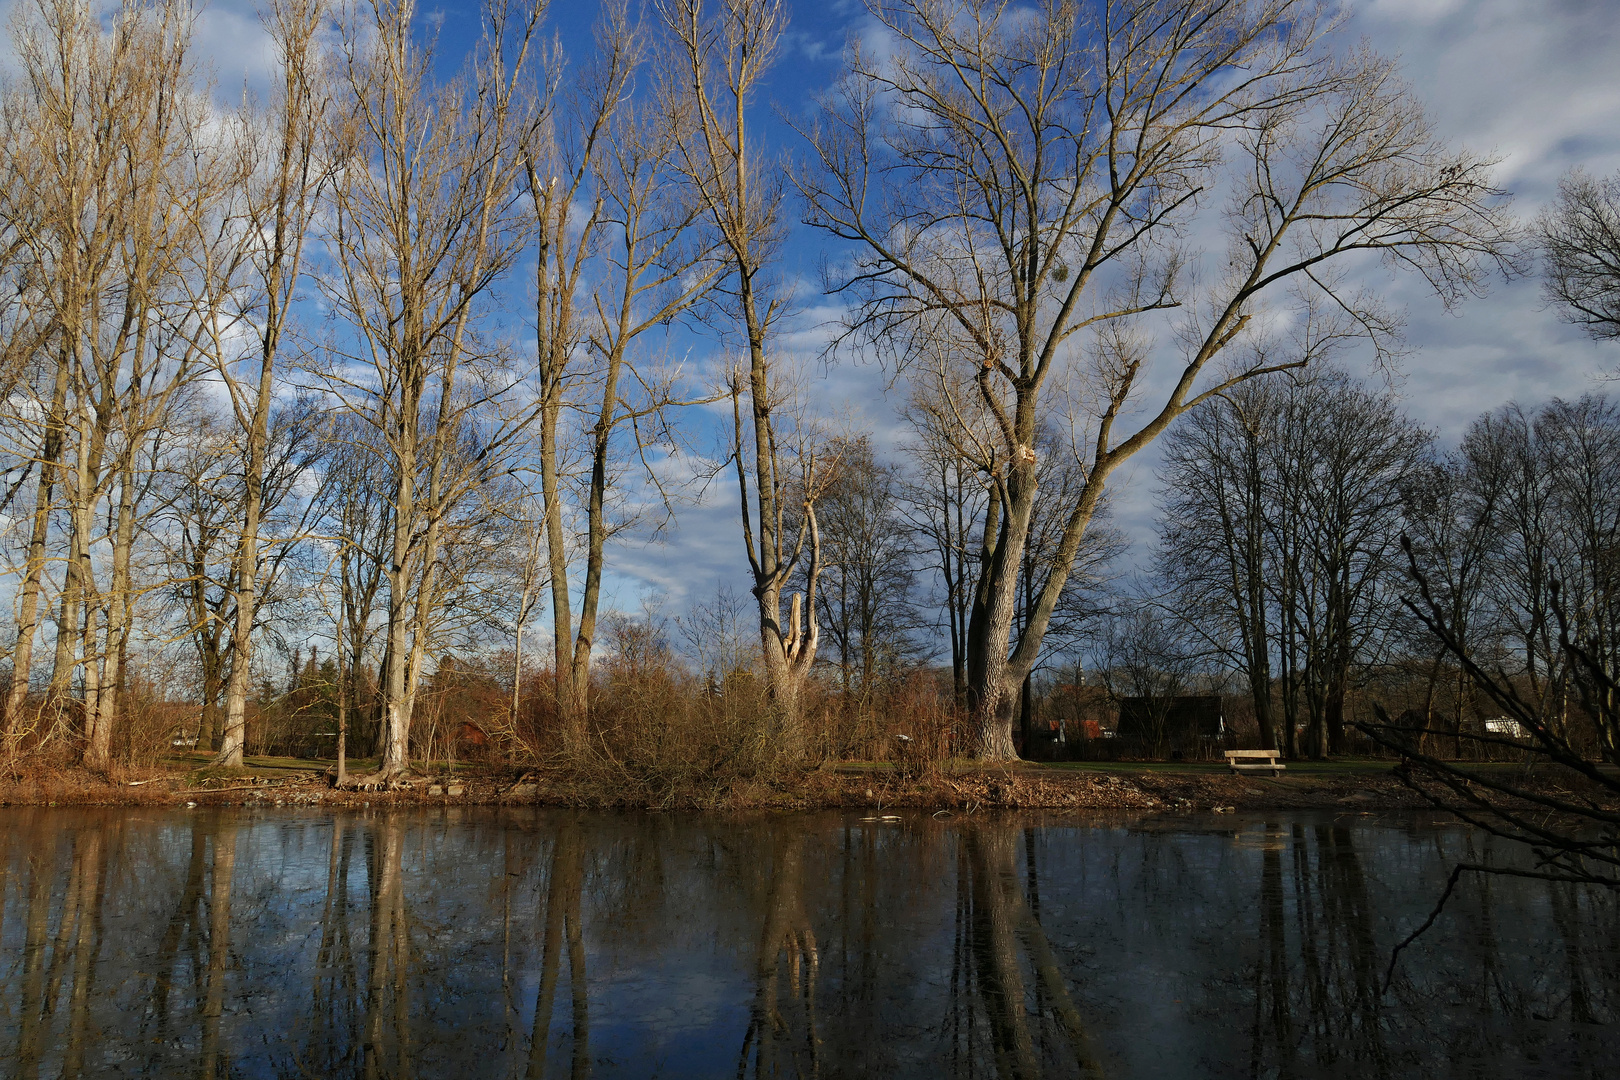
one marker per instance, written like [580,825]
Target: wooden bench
[1255,761]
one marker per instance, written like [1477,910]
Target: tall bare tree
[1506,470]
[1282,507]
[869,563]
[425,224]
[354,509]
[284,174]
[122,157]
[948,499]
[1212,534]
[723,51]
[639,255]
[1451,521]
[199,534]
[28,364]
[1026,178]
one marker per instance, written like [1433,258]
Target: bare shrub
[914,722]
[661,737]
[147,726]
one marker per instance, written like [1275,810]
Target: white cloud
[1536,84]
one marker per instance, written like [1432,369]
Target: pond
[505,943]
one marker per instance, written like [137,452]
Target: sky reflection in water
[524,943]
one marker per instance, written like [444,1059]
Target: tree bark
[22,659]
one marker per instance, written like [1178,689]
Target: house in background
[1187,723]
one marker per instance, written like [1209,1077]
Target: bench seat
[1255,761]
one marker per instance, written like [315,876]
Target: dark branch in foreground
[1573,832]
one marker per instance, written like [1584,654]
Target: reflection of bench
[1255,761]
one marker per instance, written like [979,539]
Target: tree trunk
[209,728]
[993,679]
[74,581]
[788,655]
[342,700]
[120,607]
[1335,720]
[22,660]
[579,667]
[97,733]
[562,620]
[247,577]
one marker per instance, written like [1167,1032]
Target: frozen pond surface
[522,943]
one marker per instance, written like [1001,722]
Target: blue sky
[1536,83]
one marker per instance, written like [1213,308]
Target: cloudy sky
[1533,82]
[1536,84]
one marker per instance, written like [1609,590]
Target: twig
[1451,884]
[1395,954]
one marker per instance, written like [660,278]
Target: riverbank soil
[1153,787]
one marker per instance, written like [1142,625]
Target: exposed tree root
[388,778]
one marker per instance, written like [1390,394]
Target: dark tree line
[1284,503]
[1283,509]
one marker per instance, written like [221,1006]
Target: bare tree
[1507,471]
[202,513]
[1213,544]
[282,186]
[722,52]
[868,564]
[613,153]
[1543,486]
[353,508]
[46,459]
[947,499]
[1453,526]
[1581,448]
[28,365]
[1580,236]
[532,582]
[1341,457]
[1024,178]
[199,529]
[1282,505]
[425,223]
[111,121]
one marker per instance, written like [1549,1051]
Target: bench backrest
[1254,753]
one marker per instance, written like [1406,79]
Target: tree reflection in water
[334,983]
[222,869]
[386,1050]
[781,1039]
[58,966]
[998,934]
[458,943]
[563,921]
[1318,969]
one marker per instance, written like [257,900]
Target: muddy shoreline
[1024,786]
[1373,786]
